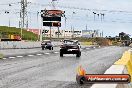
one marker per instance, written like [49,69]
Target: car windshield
[46,42]
[70,42]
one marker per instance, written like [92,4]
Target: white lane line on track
[12,57]
[38,54]
[19,56]
[30,55]
[94,47]
[4,58]
[46,53]
[56,52]
[87,48]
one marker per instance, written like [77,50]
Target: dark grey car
[46,44]
[70,47]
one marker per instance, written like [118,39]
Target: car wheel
[61,54]
[78,54]
[52,48]
[42,48]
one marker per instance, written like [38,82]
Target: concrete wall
[22,44]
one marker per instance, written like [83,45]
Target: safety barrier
[126,60]
[122,66]
[22,44]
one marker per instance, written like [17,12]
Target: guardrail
[122,66]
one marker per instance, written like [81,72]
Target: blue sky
[113,23]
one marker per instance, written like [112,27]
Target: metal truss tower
[23,14]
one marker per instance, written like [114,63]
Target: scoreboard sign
[51,18]
[52,24]
[52,13]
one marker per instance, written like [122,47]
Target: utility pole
[23,15]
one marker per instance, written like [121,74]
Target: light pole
[73,25]
[9,16]
[65,27]
[102,16]
[94,15]
[98,16]
[38,23]
[72,32]
[7,12]
[21,24]
[41,35]
[58,31]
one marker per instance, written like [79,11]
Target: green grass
[1,56]
[87,43]
[4,30]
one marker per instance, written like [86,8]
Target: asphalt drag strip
[53,71]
